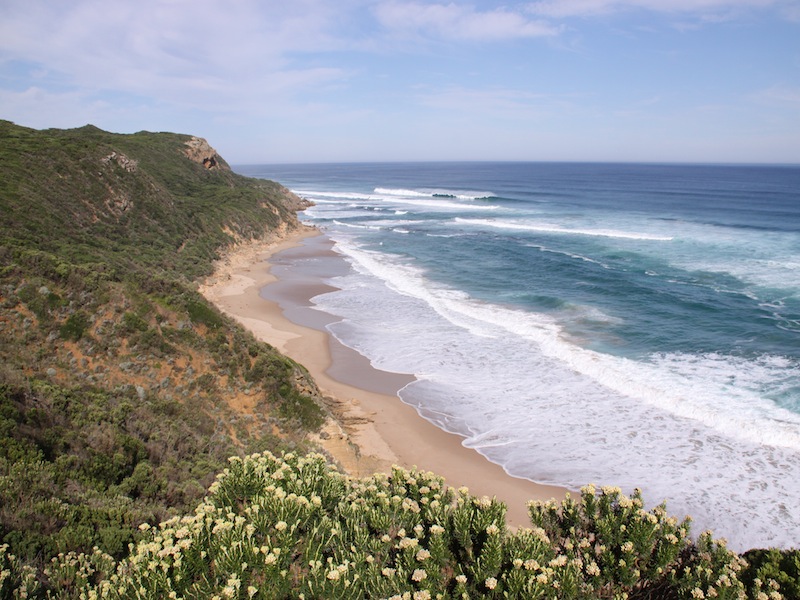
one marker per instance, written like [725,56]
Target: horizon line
[526,161]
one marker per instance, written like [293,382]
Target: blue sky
[359,80]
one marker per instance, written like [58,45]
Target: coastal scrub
[295,527]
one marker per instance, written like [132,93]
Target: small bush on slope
[294,527]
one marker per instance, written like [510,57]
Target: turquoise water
[633,325]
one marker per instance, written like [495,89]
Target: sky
[284,81]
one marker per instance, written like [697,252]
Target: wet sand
[373,429]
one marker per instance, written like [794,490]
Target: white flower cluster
[293,526]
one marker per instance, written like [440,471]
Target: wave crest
[547,228]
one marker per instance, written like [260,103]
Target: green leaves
[74,327]
[201,313]
[293,526]
[615,547]
[768,568]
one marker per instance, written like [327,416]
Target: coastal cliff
[122,391]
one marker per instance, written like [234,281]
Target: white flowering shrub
[294,527]
[16,580]
[609,546]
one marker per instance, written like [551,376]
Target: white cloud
[42,108]
[192,53]
[792,12]
[37,108]
[495,103]
[779,95]
[590,8]
[304,74]
[542,18]
[458,21]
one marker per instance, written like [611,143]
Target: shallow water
[634,325]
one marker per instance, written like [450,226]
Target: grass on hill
[122,391]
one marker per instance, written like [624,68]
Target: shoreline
[374,428]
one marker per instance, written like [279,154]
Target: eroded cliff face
[199,150]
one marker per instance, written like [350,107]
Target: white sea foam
[761,272]
[751,257]
[357,225]
[440,203]
[700,442]
[388,223]
[713,432]
[570,255]
[444,201]
[723,403]
[443,235]
[320,201]
[435,192]
[557,229]
[320,196]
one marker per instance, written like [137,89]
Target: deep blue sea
[621,324]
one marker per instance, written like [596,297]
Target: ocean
[620,324]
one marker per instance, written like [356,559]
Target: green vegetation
[122,391]
[123,394]
[113,204]
[294,527]
[781,566]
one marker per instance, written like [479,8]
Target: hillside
[150,447]
[122,391]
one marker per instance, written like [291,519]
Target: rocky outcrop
[292,201]
[199,151]
[123,161]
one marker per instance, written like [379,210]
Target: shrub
[39,300]
[267,369]
[132,322]
[780,566]
[294,527]
[16,580]
[301,409]
[75,327]
[201,313]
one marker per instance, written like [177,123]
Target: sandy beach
[373,429]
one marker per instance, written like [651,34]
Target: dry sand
[373,429]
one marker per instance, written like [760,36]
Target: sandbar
[371,429]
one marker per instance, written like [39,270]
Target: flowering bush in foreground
[294,527]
